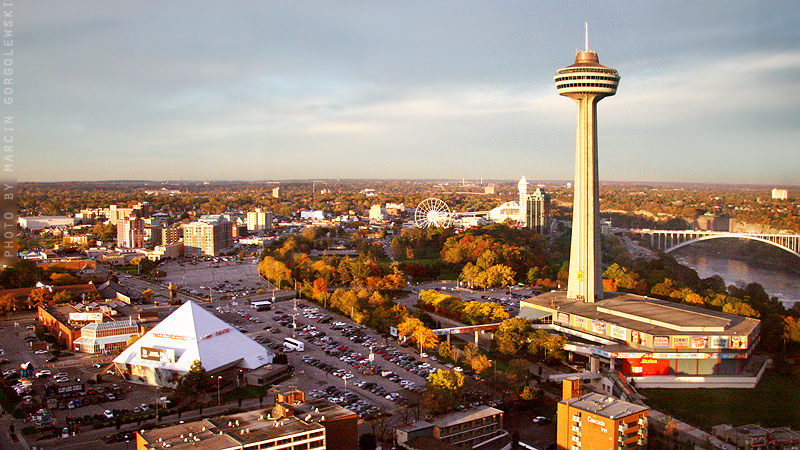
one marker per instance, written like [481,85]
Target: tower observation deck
[587,82]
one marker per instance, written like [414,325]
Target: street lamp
[157,401]
[219,402]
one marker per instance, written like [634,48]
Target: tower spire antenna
[586,31]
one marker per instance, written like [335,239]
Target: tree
[480,364]
[791,329]
[740,308]
[63,297]
[425,338]
[445,351]
[526,394]
[320,292]
[470,352]
[367,442]
[512,335]
[195,381]
[408,326]
[40,297]
[148,295]
[443,390]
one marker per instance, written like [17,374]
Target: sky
[276,90]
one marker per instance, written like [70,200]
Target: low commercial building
[657,343]
[106,337]
[598,422]
[38,223]
[471,428]
[753,437]
[290,425]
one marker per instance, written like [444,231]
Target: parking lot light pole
[157,401]
[219,402]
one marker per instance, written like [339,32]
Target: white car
[458,369]
[42,373]
[41,352]
[108,414]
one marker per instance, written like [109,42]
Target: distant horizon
[428,180]
[113,89]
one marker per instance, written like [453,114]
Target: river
[782,284]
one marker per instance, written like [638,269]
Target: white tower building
[587,82]
[523,201]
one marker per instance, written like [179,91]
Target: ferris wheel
[433,212]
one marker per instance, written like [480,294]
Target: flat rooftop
[468,415]
[649,315]
[605,406]
[227,432]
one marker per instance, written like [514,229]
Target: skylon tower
[587,82]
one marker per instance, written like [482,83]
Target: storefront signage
[563,318]
[157,354]
[171,336]
[739,342]
[580,322]
[700,342]
[70,389]
[617,332]
[661,341]
[217,333]
[86,317]
[599,327]
[680,341]
[718,342]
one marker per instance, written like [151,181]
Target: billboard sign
[661,341]
[718,342]
[599,327]
[739,342]
[86,317]
[563,318]
[680,341]
[617,332]
[158,354]
[699,341]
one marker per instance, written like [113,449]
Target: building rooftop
[468,415]
[605,406]
[256,426]
[649,315]
[321,410]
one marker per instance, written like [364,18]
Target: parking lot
[341,361]
[62,383]
[216,277]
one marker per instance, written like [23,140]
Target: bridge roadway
[669,240]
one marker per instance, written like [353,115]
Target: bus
[293,344]
[261,306]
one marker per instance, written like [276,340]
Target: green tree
[445,351]
[195,381]
[512,336]
[443,390]
[63,297]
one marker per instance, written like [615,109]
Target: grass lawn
[775,402]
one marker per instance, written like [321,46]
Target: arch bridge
[669,240]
